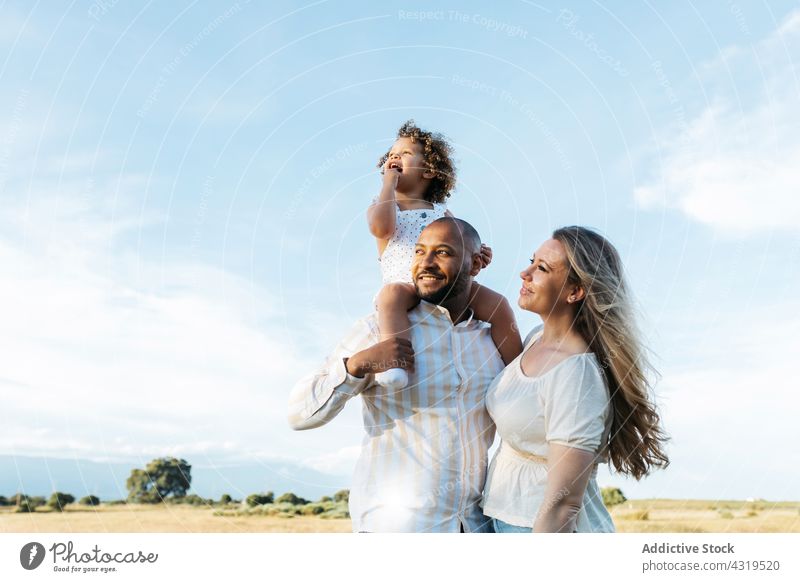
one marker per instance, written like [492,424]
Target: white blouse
[398,255]
[567,405]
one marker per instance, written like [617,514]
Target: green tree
[612,496]
[89,500]
[225,499]
[260,499]
[27,504]
[4,502]
[343,495]
[291,498]
[58,500]
[160,479]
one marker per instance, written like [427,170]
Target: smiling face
[444,263]
[545,285]
[408,157]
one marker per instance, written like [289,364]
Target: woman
[576,396]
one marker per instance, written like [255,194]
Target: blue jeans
[503,527]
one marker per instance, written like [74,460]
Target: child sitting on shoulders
[418,175]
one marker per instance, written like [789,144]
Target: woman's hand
[486,256]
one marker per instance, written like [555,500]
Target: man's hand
[486,256]
[391,353]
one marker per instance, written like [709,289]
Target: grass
[160,518]
[701,516]
[641,515]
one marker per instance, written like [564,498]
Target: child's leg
[490,306]
[393,302]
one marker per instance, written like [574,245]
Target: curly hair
[437,152]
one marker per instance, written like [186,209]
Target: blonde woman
[577,395]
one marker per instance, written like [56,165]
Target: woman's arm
[382,214]
[568,473]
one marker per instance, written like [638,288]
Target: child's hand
[391,175]
[486,256]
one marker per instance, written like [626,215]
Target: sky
[183,190]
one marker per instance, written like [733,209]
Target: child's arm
[490,306]
[382,214]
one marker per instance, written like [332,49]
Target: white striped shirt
[423,459]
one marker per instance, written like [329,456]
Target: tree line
[167,480]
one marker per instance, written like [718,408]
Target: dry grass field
[159,518]
[697,516]
[644,515]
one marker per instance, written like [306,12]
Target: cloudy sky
[183,186]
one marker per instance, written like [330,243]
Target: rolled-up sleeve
[576,406]
[318,397]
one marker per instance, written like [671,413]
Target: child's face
[407,157]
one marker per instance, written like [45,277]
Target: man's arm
[320,396]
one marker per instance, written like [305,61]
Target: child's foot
[393,378]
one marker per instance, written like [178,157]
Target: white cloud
[729,402]
[339,462]
[736,165]
[110,353]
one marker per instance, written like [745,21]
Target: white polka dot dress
[399,253]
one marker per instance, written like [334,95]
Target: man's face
[443,264]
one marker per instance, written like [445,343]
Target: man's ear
[477,265]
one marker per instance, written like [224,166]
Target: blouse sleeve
[576,405]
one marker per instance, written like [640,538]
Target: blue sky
[183,186]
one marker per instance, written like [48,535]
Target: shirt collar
[444,312]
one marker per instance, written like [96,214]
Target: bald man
[423,459]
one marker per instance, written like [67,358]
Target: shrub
[336,514]
[640,515]
[59,500]
[27,504]
[325,498]
[726,514]
[89,500]
[260,499]
[192,499]
[25,507]
[291,498]
[312,509]
[342,495]
[4,502]
[225,499]
[612,496]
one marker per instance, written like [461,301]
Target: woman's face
[544,282]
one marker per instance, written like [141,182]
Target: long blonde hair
[605,320]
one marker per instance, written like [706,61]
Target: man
[423,460]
